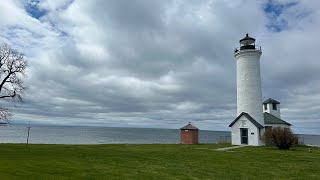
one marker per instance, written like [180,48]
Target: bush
[283,138]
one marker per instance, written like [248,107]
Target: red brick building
[189,134]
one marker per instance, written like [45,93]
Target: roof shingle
[258,125]
[189,127]
[271,119]
[271,101]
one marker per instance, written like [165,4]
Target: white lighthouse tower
[248,127]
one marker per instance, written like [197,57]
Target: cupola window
[274,106]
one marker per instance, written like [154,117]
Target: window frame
[265,106]
[274,106]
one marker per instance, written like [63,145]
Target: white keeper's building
[253,116]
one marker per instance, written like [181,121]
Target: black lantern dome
[247,42]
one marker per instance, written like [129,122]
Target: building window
[260,134]
[265,107]
[274,106]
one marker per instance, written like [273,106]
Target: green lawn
[156,162]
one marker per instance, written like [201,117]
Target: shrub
[283,138]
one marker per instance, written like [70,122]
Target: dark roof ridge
[270,101]
[249,118]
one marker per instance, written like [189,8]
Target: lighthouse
[248,127]
[249,93]
[252,120]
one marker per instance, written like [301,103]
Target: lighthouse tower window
[274,106]
[265,106]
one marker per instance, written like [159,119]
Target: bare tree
[12,72]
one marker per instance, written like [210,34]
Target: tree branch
[12,71]
[7,96]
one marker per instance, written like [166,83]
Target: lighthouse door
[244,135]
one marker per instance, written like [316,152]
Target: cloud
[162,63]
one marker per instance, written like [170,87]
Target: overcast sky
[161,63]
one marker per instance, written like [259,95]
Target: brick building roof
[189,127]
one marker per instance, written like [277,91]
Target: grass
[156,162]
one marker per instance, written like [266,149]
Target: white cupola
[272,106]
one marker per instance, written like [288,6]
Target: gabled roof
[271,119]
[258,125]
[189,127]
[271,101]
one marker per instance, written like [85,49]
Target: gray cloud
[160,63]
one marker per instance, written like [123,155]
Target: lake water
[108,135]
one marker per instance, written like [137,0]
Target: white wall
[249,95]
[243,122]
